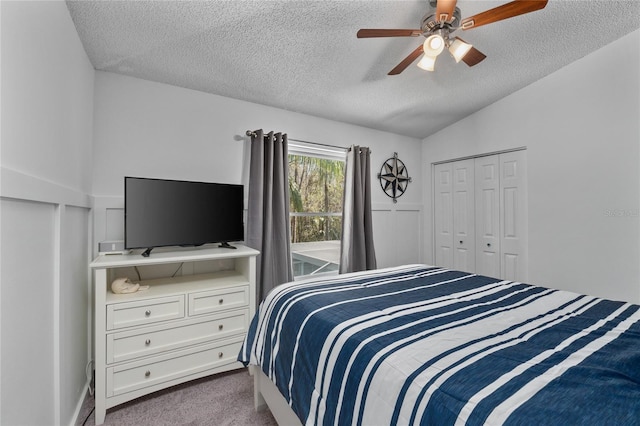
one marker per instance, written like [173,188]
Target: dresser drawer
[206,302]
[128,345]
[149,311]
[137,375]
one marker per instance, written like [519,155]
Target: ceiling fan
[441,22]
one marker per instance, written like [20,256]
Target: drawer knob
[221,301]
[147,342]
[220,327]
[147,313]
[220,354]
[147,373]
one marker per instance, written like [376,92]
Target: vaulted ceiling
[304,55]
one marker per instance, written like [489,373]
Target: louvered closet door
[443,214]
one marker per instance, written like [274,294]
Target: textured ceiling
[304,55]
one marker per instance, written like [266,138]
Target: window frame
[310,149]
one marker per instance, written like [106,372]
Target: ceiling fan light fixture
[459,49]
[427,62]
[433,45]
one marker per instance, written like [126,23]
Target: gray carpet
[223,399]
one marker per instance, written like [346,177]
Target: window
[316,184]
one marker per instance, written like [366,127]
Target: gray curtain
[357,252]
[268,211]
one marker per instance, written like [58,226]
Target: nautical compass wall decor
[394,177]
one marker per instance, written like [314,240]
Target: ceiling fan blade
[445,9]
[506,11]
[473,56]
[366,33]
[407,61]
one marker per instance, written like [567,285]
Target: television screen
[160,213]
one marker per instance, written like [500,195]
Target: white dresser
[190,323]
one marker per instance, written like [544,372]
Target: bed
[425,345]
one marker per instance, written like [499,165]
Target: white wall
[149,129]
[581,129]
[47,105]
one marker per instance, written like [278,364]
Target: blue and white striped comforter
[426,345]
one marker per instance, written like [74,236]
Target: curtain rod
[252,133]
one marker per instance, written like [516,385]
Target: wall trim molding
[386,207]
[21,186]
[108,202]
[117,202]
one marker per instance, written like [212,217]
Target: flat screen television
[162,212]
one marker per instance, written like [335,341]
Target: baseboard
[76,413]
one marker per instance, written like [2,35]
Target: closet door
[464,257]
[454,215]
[487,184]
[480,214]
[513,208]
[443,214]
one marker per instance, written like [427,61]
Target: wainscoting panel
[74,313]
[383,235]
[45,310]
[27,312]
[397,233]
[115,224]
[108,220]
[408,224]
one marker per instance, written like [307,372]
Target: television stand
[147,252]
[185,326]
[227,245]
